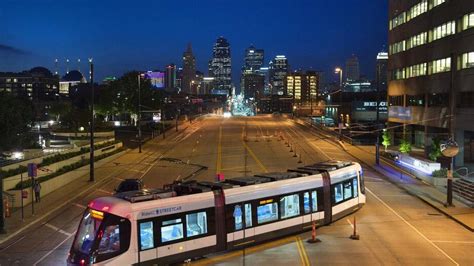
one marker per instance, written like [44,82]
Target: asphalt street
[395,227]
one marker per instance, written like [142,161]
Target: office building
[278,68]
[220,66]
[253,85]
[37,84]
[170,77]
[381,71]
[352,69]
[189,70]
[71,79]
[253,60]
[431,67]
[303,87]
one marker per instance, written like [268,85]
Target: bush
[435,150]
[54,159]
[443,172]
[405,146]
[66,168]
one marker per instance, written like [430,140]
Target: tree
[405,146]
[435,150]
[58,109]
[387,139]
[16,119]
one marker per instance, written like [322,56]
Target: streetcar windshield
[100,236]
[87,231]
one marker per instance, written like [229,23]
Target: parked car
[130,184]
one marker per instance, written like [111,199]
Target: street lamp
[91,158]
[338,70]
[139,115]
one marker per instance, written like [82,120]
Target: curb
[401,187]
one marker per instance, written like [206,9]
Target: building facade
[303,87]
[220,66]
[253,85]
[37,84]
[431,72]
[352,69]
[170,77]
[279,68]
[381,71]
[253,59]
[189,70]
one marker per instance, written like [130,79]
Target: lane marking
[79,205]
[255,157]
[453,242]
[104,191]
[309,141]
[57,229]
[51,251]
[302,251]
[16,241]
[412,227]
[135,170]
[219,152]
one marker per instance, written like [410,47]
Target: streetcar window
[314,197]
[338,193]
[355,186]
[362,185]
[87,232]
[196,224]
[347,190]
[238,217]
[290,206]
[146,235]
[171,230]
[306,202]
[110,241]
[248,215]
[267,213]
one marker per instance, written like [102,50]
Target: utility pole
[91,159]
[377,132]
[452,103]
[139,117]
[2,219]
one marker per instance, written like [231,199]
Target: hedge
[67,168]
[54,159]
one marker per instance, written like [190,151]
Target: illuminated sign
[369,106]
[426,167]
[160,211]
[399,112]
[157,79]
[97,214]
[266,201]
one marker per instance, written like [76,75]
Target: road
[395,227]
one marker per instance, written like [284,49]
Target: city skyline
[119,45]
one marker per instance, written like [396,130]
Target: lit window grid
[431,68]
[413,12]
[466,60]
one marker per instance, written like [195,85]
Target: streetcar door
[248,222]
[221,237]
[327,198]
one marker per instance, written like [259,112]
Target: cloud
[12,50]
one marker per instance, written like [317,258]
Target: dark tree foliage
[16,118]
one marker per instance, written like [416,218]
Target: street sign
[24,194]
[32,170]
[449,148]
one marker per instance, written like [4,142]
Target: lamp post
[338,70]
[139,115]
[91,158]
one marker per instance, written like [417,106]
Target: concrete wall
[40,159]
[11,182]
[105,134]
[57,182]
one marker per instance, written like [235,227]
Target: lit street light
[91,158]
[338,70]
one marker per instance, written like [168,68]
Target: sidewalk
[461,213]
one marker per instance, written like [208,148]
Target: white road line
[79,205]
[51,251]
[349,221]
[104,191]
[57,229]
[412,227]
[16,241]
[453,242]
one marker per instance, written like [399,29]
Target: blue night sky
[145,35]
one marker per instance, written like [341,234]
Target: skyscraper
[189,69]
[253,85]
[303,87]
[381,71]
[352,69]
[170,77]
[220,66]
[279,68]
[253,60]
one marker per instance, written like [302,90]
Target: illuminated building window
[438,66]
[466,61]
[442,31]
[468,21]
[434,3]
[417,40]
[417,10]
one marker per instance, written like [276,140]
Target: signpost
[32,172]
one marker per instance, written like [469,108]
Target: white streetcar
[192,219]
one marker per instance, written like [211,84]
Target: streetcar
[192,219]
